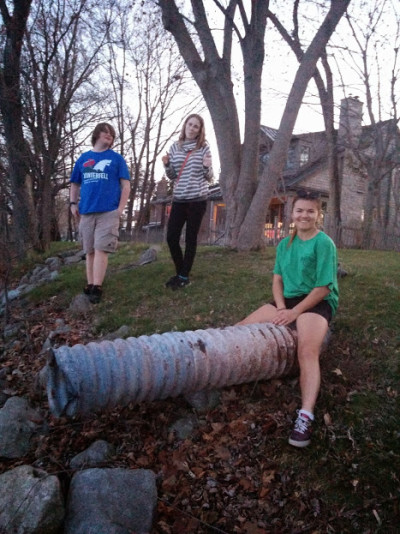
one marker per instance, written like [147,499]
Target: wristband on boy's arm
[73,203]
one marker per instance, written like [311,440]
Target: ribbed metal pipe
[88,378]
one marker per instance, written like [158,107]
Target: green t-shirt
[305,265]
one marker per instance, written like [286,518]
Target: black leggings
[192,214]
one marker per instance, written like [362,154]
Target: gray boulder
[30,502]
[76,258]
[148,256]
[205,400]
[122,332]
[18,421]
[99,452]
[54,263]
[111,501]
[184,427]
[80,306]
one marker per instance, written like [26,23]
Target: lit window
[304,155]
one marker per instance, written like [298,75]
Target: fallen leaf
[267,477]
[246,483]
[327,419]
[223,453]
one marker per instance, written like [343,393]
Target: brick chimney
[350,121]
[162,188]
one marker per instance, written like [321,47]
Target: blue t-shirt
[99,175]
[307,264]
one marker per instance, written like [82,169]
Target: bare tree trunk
[246,203]
[253,51]
[325,92]
[11,111]
[213,76]
[251,230]
[56,70]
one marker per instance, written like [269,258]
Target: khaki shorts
[99,231]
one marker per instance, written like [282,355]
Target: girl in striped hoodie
[188,165]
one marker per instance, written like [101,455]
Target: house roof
[269,132]
[292,178]
[214,192]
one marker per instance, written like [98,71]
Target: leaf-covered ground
[236,472]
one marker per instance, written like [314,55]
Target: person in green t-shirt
[305,291]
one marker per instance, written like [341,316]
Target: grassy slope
[348,480]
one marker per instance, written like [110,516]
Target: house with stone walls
[362,151]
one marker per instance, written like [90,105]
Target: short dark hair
[102,127]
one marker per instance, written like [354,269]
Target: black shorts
[322,308]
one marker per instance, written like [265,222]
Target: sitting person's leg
[311,331]
[264,314]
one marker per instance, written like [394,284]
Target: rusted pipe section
[88,378]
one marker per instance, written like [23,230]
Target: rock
[54,263]
[3,394]
[38,274]
[30,502]
[59,331]
[80,306]
[18,373]
[12,329]
[68,253]
[11,295]
[183,428]
[18,421]
[24,280]
[53,275]
[117,501]
[341,273]
[121,333]
[204,400]
[4,371]
[99,452]
[147,256]
[74,259]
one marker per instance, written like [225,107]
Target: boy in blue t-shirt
[101,178]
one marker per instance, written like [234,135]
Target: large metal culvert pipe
[98,376]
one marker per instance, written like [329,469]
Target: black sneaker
[179,283]
[88,289]
[171,281]
[301,433]
[95,295]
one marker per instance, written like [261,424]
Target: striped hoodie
[193,181]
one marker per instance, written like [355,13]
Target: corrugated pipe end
[60,393]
